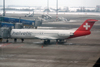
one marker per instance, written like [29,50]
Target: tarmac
[77,52]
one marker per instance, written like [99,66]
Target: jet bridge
[6,24]
[11,25]
[36,22]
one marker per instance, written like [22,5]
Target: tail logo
[86,26]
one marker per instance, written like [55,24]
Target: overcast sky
[52,3]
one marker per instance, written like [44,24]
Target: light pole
[56,10]
[3,7]
[47,7]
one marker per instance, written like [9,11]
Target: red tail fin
[84,29]
[87,25]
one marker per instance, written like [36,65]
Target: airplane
[58,35]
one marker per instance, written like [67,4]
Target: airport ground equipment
[18,26]
[46,17]
[5,33]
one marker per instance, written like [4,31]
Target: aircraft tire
[45,42]
[61,41]
[57,41]
[7,41]
[48,41]
[22,40]
[0,40]
[15,40]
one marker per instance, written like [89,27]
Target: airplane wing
[45,37]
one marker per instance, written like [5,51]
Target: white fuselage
[41,34]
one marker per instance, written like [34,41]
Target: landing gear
[15,40]
[60,41]
[36,27]
[57,41]
[0,39]
[22,40]
[46,41]
[7,41]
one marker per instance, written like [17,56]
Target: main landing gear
[46,41]
[15,40]
[0,39]
[57,41]
[60,41]
[7,41]
[22,40]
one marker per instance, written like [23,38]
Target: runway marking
[18,46]
[51,61]
[14,47]
[5,44]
